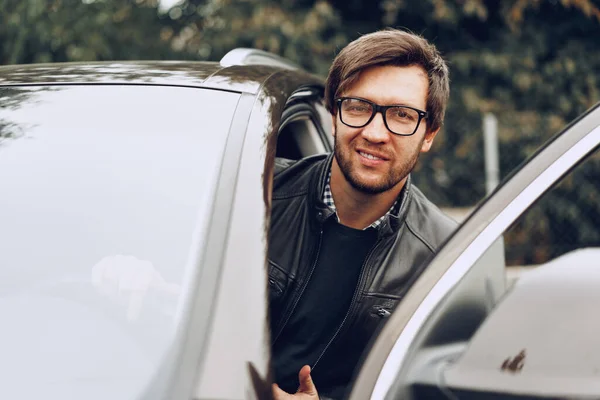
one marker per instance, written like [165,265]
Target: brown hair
[391,47]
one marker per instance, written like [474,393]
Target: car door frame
[398,343]
[305,104]
[239,284]
[182,364]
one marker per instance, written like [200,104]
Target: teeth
[369,156]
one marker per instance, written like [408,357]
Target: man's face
[395,156]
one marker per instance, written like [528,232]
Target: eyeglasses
[400,120]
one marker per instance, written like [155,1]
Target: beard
[385,181]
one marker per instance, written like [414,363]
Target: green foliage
[564,219]
[33,31]
[306,32]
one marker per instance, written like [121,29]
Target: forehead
[392,85]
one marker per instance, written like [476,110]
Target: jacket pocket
[275,288]
[383,308]
[278,282]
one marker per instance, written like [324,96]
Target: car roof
[237,78]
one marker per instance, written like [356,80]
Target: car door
[236,361]
[469,327]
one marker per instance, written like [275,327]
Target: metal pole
[490,142]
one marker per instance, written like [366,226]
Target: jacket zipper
[352,304]
[312,269]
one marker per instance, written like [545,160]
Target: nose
[376,131]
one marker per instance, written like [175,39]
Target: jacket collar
[390,225]
[321,211]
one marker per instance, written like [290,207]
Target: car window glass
[565,219]
[303,133]
[103,188]
[299,139]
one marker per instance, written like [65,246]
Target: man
[349,232]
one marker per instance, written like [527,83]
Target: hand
[306,391]
[128,277]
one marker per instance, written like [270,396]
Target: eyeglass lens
[400,120]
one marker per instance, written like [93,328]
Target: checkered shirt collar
[328,200]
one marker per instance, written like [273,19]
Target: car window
[97,184]
[565,219]
[305,131]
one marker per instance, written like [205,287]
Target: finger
[278,393]
[306,383]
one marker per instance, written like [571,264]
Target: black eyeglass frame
[382,109]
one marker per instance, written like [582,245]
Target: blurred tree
[533,63]
[308,32]
[33,31]
[566,218]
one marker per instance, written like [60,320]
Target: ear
[428,140]
[333,121]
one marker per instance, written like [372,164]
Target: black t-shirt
[324,303]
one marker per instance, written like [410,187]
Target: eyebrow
[388,104]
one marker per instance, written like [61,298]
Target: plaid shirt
[328,200]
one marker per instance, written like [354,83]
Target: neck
[357,209]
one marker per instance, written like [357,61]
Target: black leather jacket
[404,244]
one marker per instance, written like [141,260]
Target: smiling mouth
[370,156]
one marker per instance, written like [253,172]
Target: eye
[356,106]
[404,114]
